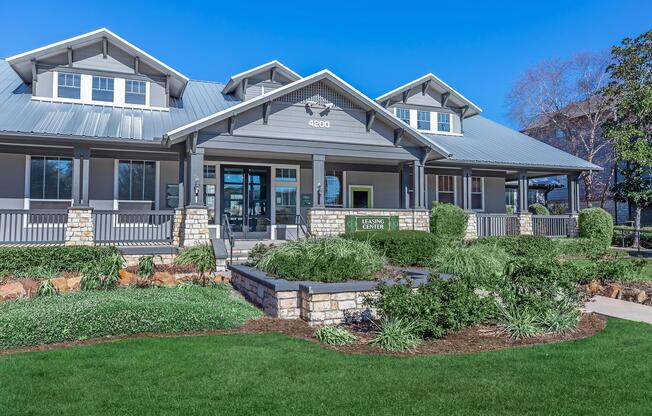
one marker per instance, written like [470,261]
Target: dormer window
[135,92]
[423,120]
[102,89]
[69,85]
[403,114]
[444,122]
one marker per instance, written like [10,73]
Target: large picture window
[333,189]
[477,190]
[69,85]
[446,189]
[136,180]
[135,92]
[102,89]
[50,178]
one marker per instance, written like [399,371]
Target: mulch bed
[468,340]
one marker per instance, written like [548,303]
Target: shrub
[434,308]
[561,320]
[81,315]
[480,265]
[538,209]
[519,322]
[146,266]
[596,223]
[396,335]
[334,335]
[580,247]
[523,245]
[46,288]
[38,272]
[103,274]
[257,252]
[200,257]
[325,259]
[56,259]
[401,248]
[448,222]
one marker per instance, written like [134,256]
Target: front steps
[242,247]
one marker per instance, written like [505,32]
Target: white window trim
[410,121]
[454,188]
[424,111]
[450,123]
[481,209]
[371,192]
[86,94]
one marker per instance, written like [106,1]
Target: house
[102,143]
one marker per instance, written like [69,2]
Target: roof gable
[273,70]
[22,63]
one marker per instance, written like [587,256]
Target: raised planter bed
[314,302]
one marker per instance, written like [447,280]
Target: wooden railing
[130,227]
[33,226]
[550,225]
[490,225]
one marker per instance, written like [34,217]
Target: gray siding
[385,184]
[90,57]
[255,88]
[12,172]
[44,84]
[494,195]
[305,187]
[169,175]
[157,97]
[101,178]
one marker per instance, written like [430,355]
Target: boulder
[613,290]
[127,278]
[60,283]
[165,279]
[12,290]
[634,295]
[594,287]
[73,283]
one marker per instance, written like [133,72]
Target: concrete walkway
[620,309]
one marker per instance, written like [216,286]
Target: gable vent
[320,93]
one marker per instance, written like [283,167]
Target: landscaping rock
[12,290]
[74,283]
[613,290]
[593,288]
[127,278]
[60,283]
[165,279]
[634,295]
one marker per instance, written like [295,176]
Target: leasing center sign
[355,223]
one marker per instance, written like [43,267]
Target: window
[135,92]
[423,120]
[69,85]
[286,204]
[286,174]
[102,89]
[403,114]
[443,122]
[446,189]
[50,178]
[172,196]
[136,180]
[209,172]
[333,190]
[477,189]
[209,200]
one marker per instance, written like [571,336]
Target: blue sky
[479,49]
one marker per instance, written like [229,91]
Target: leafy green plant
[519,322]
[46,288]
[200,257]
[257,252]
[561,320]
[580,247]
[523,245]
[146,266]
[396,335]
[82,315]
[597,224]
[37,272]
[322,259]
[103,274]
[401,248]
[55,259]
[480,265]
[335,335]
[538,209]
[448,222]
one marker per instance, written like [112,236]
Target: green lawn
[247,374]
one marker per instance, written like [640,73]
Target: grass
[91,314]
[245,374]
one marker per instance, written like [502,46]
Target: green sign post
[353,223]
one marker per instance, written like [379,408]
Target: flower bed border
[315,302]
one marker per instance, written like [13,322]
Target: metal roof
[20,114]
[489,143]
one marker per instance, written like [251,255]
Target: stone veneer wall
[165,258]
[525,224]
[326,222]
[177,227]
[573,225]
[331,308]
[284,304]
[79,228]
[471,227]
[195,226]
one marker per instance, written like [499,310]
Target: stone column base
[573,225]
[471,227]
[79,228]
[195,226]
[525,224]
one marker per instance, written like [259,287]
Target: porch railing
[490,225]
[131,227]
[550,225]
[33,226]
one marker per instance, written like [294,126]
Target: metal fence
[130,227]
[37,227]
[490,225]
[550,225]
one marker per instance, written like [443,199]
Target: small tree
[630,94]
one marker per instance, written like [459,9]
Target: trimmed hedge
[82,315]
[402,248]
[448,222]
[524,245]
[596,223]
[538,209]
[56,259]
[580,247]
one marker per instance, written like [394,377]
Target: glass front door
[245,200]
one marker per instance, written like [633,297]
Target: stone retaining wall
[314,302]
[326,222]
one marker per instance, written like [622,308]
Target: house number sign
[320,124]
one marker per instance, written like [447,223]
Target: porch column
[467,179]
[419,178]
[80,176]
[573,185]
[405,186]
[522,192]
[318,185]
[195,179]
[181,181]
